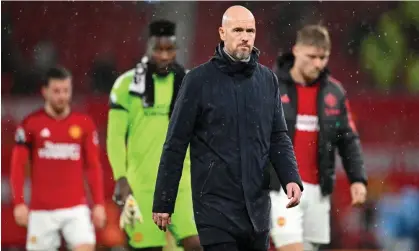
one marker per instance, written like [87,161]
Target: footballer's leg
[309,246]
[146,235]
[43,231]
[84,247]
[316,221]
[78,229]
[287,224]
[183,225]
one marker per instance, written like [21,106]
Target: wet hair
[314,35]
[56,72]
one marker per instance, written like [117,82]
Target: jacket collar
[225,64]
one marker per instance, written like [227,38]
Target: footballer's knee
[292,247]
[84,247]
[309,246]
[191,244]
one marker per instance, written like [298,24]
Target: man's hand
[294,194]
[21,214]
[99,216]
[358,193]
[162,220]
[131,213]
[122,191]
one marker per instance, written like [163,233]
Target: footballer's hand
[358,193]
[122,191]
[99,216]
[294,194]
[131,213]
[21,214]
[162,220]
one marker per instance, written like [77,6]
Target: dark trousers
[255,242]
[231,246]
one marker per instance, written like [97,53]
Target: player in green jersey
[141,101]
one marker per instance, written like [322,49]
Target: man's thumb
[289,192]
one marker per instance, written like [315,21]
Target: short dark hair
[56,72]
[161,28]
[314,35]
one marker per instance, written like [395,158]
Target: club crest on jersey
[75,131]
[330,100]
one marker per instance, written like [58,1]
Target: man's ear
[222,33]
[44,91]
[295,50]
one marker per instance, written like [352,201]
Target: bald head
[238,32]
[236,13]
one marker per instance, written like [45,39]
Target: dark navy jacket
[231,115]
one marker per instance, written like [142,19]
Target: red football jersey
[58,150]
[306,133]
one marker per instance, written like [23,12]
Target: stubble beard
[241,55]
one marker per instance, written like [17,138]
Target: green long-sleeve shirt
[137,131]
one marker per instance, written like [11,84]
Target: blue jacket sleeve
[178,136]
[281,153]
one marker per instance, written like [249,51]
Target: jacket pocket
[210,167]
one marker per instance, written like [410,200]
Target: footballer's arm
[95,175]
[116,148]
[20,157]
[349,148]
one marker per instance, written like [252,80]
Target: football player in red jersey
[319,122]
[60,144]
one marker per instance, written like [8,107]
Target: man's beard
[311,76]
[58,110]
[160,69]
[240,55]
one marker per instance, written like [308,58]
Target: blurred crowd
[375,53]
[374,44]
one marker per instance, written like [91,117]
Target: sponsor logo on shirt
[59,151]
[157,110]
[307,123]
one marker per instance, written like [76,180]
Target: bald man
[229,111]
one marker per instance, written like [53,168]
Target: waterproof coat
[231,115]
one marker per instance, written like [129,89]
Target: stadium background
[375,54]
